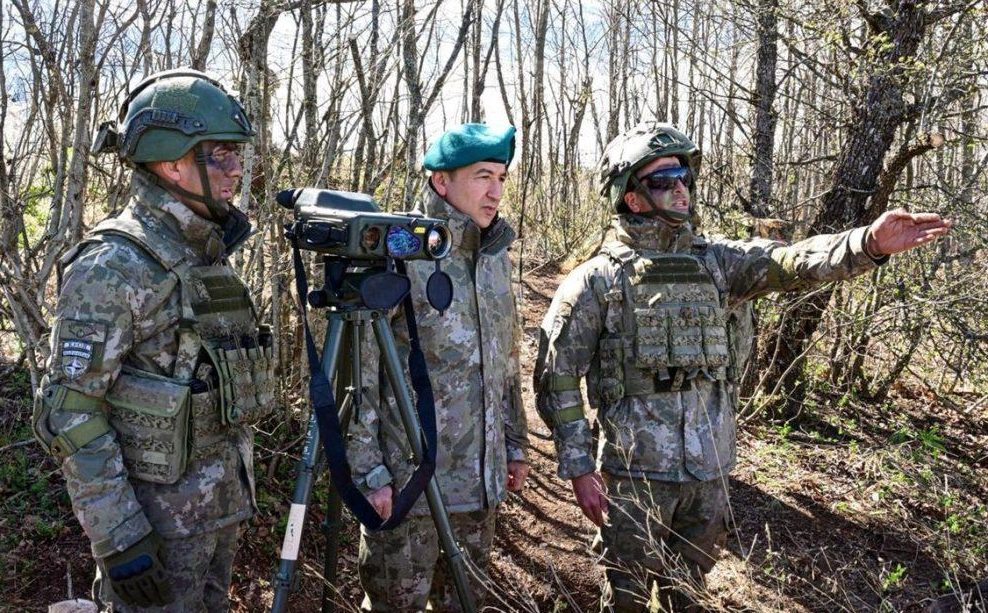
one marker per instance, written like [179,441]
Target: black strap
[330,430]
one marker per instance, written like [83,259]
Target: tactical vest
[666,323]
[164,422]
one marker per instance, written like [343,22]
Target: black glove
[137,575]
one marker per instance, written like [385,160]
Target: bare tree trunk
[416,113]
[201,52]
[309,101]
[481,67]
[879,111]
[418,103]
[760,192]
[616,69]
[534,132]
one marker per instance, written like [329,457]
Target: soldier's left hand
[899,230]
[517,473]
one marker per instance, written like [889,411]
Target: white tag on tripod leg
[293,532]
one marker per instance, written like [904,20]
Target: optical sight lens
[371,238]
[438,242]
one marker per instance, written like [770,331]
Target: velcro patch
[77,349]
[92,331]
[74,367]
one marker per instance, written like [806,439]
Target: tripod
[348,317]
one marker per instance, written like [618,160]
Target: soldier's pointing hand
[899,230]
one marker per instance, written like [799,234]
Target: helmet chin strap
[216,209]
[673,218]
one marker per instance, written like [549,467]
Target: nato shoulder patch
[79,343]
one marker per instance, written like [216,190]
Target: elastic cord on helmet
[218,211]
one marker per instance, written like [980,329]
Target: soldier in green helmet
[159,364]
[646,322]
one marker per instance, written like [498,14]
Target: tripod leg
[347,386]
[284,579]
[409,419]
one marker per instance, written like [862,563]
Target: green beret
[470,143]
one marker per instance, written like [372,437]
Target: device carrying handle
[330,430]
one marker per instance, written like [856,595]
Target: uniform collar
[154,203]
[648,234]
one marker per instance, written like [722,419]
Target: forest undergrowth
[854,506]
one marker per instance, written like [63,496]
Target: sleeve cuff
[865,234]
[517,454]
[575,467]
[378,477]
[125,534]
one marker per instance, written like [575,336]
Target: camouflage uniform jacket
[687,434]
[472,355]
[125,307]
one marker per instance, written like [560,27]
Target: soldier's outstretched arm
[757,268]
[94,331]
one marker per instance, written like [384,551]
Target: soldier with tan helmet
[159,364]
[645,323]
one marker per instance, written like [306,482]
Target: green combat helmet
[635,148]
[167,115]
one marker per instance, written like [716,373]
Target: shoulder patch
[93,331]
[80,345]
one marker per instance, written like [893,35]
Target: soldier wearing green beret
[646,323]
[158,364]
[472,354]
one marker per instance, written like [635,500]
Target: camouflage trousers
[199,568]
[404,568]
[660,533]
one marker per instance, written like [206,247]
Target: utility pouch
[715,346]
[246,382]
[209,435]
[151,416]
[686,348]
[652,338]
[611,383]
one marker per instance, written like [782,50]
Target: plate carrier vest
[164,422]
[666,323]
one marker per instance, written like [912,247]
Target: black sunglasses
[664,179]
